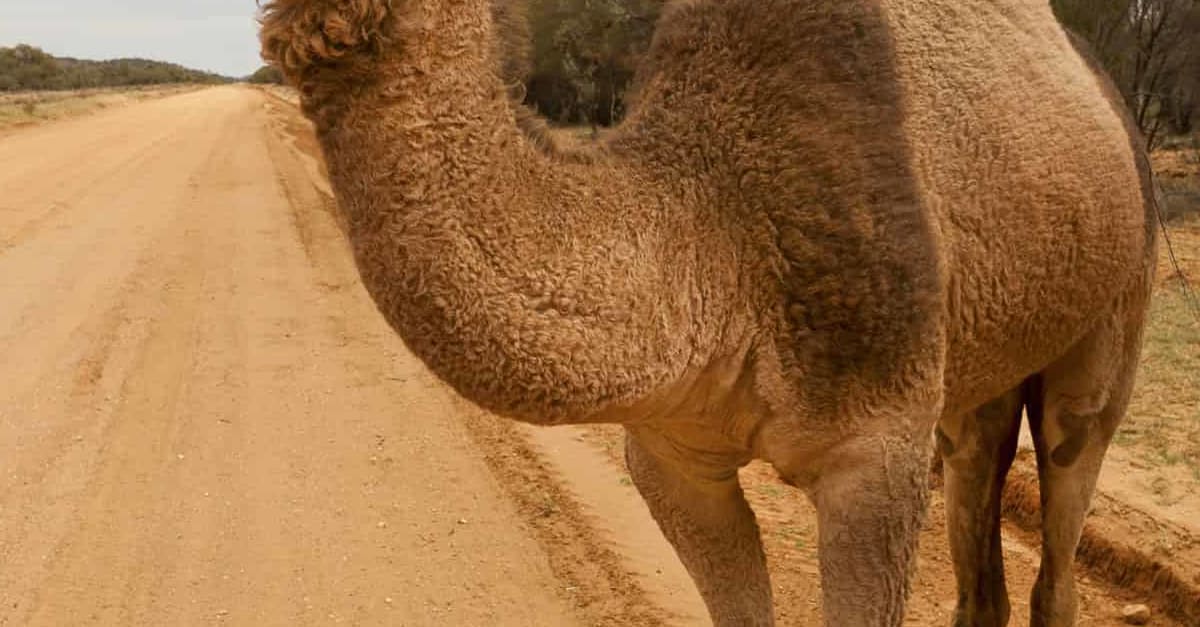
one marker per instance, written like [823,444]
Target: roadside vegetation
[585,53]
[19,109]
[266,75]
[27,68]
[38,87]
[1163,426]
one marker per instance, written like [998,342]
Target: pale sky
[214,35]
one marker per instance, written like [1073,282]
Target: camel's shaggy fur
[825,229]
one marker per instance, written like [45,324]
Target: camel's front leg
[700,508]
[870,498]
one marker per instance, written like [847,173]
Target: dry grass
[1163,426]
[20,109]
[282,92]
[1178,171]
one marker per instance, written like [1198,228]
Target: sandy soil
[204,420]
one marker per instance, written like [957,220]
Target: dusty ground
[205,421]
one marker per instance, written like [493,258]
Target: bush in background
[584,56]
[266,75]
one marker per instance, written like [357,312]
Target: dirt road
[203,424]
[204,421]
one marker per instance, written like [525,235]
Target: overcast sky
[214,35]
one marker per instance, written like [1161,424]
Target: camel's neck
[433,118]
[539,289]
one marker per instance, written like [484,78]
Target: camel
[834,236]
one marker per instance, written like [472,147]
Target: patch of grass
[1162,428]
[1182,196]
[1163,425]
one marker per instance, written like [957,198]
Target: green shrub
[266,75]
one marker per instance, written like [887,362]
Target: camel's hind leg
[1074,407]
[699,505]
[977,450]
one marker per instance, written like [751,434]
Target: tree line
[24,67]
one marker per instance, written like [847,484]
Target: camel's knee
[1077,403]
[877,470]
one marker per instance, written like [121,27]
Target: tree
[267,74]
[585,54]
